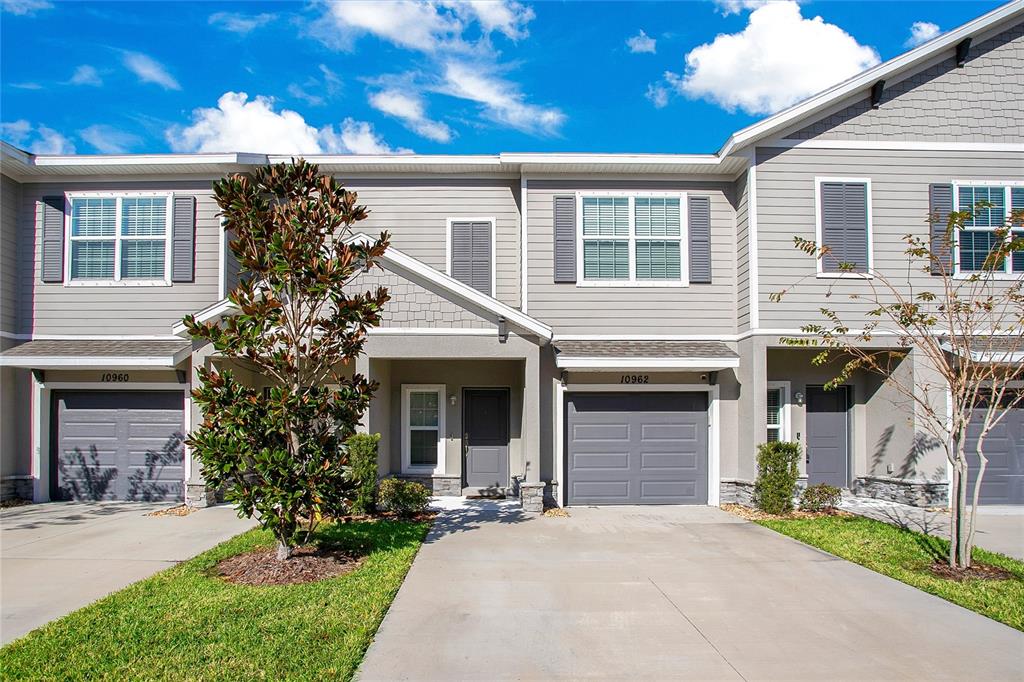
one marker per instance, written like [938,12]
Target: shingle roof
[644,349]
[94,348]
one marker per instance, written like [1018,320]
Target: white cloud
[316,91]
[236,22]
[408,107]
[36,139]
[406,23]
[28,85]
[149,70]
[109,140]
[501,101]
[777,60]
[240,125]
[86,75]
[642,42]
[658,94]
[504,16]
[727,7]
[24,7]
[921,32]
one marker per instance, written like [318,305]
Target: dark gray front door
[827,436]
[486,417]
[637,448]
[1003,482]
[117,445]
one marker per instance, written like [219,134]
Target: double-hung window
[777,412]
[118,239]
[991,207]
[423,428]
[631,240]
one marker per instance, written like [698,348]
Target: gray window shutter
[183,238]
[940,205]
[51,228]
[565,239]
[699,225]
[471,255]
[844,225]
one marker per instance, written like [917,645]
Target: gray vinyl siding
[742,254]
[10,198]
[571,309]
[415,212]
[899,203]
[115,310]
[980,102]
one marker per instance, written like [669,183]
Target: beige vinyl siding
[117,310]
[415,212]
[980,102]
[10,198]
[742,254]
[899,203]
[569,309]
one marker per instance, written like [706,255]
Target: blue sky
[434,78]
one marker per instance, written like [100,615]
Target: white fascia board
[602,363]
[207,314]
[90,362]
[610,159]
[866,79]
[419,272]
[384,160]
[988,358]
[148,159]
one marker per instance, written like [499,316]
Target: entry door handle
[465,444]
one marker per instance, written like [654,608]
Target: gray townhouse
[593,328]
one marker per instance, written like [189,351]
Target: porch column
[197,493]
[363,367]
[531,414]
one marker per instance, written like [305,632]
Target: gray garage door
[637,448]
[117,445]
[1004,448]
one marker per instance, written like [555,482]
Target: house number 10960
[115,377]
[634,379]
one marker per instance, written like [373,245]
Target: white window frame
[820,262]
[407,466]
[784,409]
[118,238]
[494,248]
[684,241]
[1007,207]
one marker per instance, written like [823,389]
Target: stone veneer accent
[736,491]
[905,491]
[441,486]
[531,496]
[202,495]
[16,488]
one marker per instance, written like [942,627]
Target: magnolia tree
[280,455]
[967,327]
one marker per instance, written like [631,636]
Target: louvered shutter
[565,239]
[471,254]
[844,225]
[940,205]
[50,225]
[183,238]
[699,222]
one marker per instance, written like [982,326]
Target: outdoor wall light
[451,400]
[799,398]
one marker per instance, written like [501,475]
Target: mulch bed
[307,565]
[180,510]
[757,515]
[556,511]
[14,502]
[977,571]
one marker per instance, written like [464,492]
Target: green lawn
[906,555]
[185,624]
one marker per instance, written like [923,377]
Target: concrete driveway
[60,556]
[665,593]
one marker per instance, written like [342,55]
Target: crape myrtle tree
[281,456]
[966,326]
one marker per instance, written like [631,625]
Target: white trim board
[96,361]
[524,239]
[631,363]
[753,281]
[894,145]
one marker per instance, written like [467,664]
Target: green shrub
[404,498]
[820,497]
[362,471]
[776,476]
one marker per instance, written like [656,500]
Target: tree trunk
[964,557]
[284,550]
[954,516]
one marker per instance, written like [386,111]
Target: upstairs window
[991,207]
[118,239]
[631,240]
[844,226]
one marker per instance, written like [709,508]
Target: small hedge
[820,497]
[362,470]
[405,498]
[776,476]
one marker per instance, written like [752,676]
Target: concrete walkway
[999,528]
[60,556]
[663,593]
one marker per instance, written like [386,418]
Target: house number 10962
[634,379]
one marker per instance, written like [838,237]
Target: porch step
[472,492]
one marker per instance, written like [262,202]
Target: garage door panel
[1004,449]
[663,462]
[125,445]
